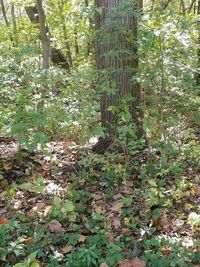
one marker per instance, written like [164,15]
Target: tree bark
[76,40]
[117,61]
[57,56]
[4,13]
[45,38]
[198,45]
[90,44]
[183,8]
[14,23]
[67,45]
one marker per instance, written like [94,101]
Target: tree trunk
[90,44]
[14,23]
[76,40]
[3,9]
[57,56]
[67,45]
[45,38]
[198,44]
[4,13]
[117,60]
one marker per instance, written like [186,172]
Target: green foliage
[63,209]
[29,261]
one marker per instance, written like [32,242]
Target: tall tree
[198,43]
[57,56]
[44,34]
[63,22]
[4,13]
[14,23]
[117,62]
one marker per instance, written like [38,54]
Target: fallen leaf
[104,265]
[98,196]
[47,210]
[7,166]
[98,207]
[82,238]
[67,249]
[40,207]
[125,263]
[29,240]
[3,221]
[55,227]
[132,263]
[18,205]
[116,207]
[164,223]
[114,221]
[166,250]
[138,262]
[117,197]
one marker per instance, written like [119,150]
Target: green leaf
[35,264]
[20,264]
[68,206]
[26,186]
[32,257]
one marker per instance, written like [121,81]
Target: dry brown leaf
[132,263]
[55,227]
[117,197]
[40,206]
[166,250]
[104,265]
[82,238]
[29,240]
[18,205]
[138,263]
[7,166]
[164,223]
[47,210]
[67,249]
[125,263]
[3,221]
[116,207]
[111,237]
[98,196]
[99,207]
[114,221]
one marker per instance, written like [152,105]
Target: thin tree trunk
[117,61]
[91,22]
[67,45]
[76,40]
[3,9]
[166,4]
[45,38]
[183,8]
[4,13]
[198,44]
[191,6]
[14,23]
[57,56]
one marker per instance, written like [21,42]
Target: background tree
[117,61]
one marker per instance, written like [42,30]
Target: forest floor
[56,205]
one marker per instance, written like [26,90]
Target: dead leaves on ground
[55,227]
[3,221]
[128,263]
[132,263]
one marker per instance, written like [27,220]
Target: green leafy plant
[30,261]
[63,209]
